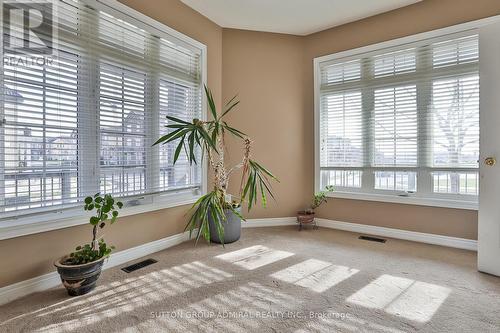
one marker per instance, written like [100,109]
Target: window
[401,121]
[175,99]
[84,121]
[122,127]
[395,126]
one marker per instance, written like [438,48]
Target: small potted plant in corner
[307,216]
[215,216]
[80,269]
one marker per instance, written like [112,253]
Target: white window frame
[384,195]
[41,221]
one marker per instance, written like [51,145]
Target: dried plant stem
[217,163]
[246,158]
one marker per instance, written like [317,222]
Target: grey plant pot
[232,228]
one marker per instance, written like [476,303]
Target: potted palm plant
[80,269]
[307,216]
[217,215]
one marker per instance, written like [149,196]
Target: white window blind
[122,126]
[175,99]
[403,119]
[85,120]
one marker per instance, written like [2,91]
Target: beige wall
[273,75]
[420,17]
[266,71]
[29,256]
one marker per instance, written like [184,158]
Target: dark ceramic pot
[232,227]
[79,279]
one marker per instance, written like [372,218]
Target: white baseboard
[270,222]
[50,280]
[459,243]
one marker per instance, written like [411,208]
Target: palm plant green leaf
[258,180]
[189,134]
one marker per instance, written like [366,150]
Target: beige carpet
[278,280]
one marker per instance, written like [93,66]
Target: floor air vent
[373,239]
[138,265]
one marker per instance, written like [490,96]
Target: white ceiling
[297,17]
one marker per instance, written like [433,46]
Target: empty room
[250,166]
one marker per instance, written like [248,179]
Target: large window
[84,120]
[401,121]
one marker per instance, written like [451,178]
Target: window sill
[64,219]
[410,200]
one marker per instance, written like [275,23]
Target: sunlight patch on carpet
[254,257]
[414,300]
[314,274]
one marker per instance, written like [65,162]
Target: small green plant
[106,210]
[319,198]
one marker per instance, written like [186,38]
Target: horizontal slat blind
[393,63]
[455,120]
[403,119]
[84,121]
[180,100]
[395,126]
[122,125]
[342,129]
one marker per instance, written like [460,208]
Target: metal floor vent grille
[138,265]
[373,239]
